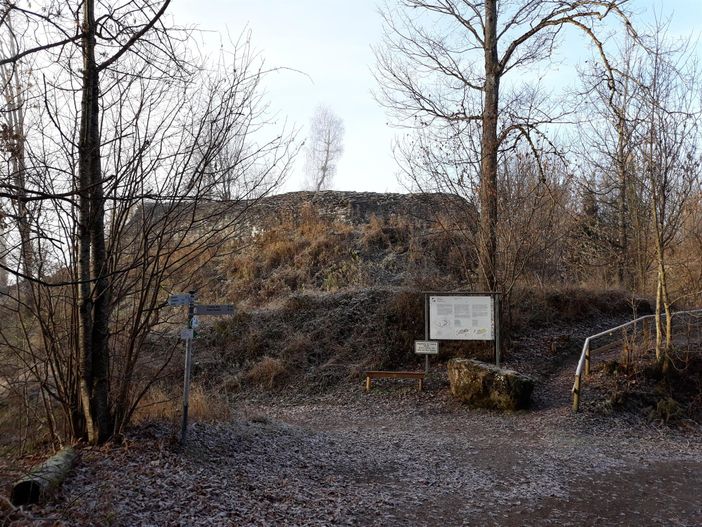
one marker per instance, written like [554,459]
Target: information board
[466,317]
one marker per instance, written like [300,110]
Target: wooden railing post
[587,360]
[576,394]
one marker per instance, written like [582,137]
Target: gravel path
[396,457]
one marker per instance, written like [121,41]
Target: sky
[324,48]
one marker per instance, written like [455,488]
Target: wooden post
[587,360]
[368,383]
[576,394]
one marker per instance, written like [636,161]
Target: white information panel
[461,318]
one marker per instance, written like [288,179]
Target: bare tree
[444,64]
[604,142]
[644,131]
[669,157]
[124,163]
[324,148]
[533,200]
[15,79]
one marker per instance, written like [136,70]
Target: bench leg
[368,383]
[421,384]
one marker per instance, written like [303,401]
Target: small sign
[214,309]
[186,334]
[195,323]
[179,299]
[426,347]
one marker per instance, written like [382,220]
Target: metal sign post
[426,332]
[426,348]
[188,367]
[188,334]
[497,329]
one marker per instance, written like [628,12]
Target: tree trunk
[94,301]
[488,147]
[665,300]
[662,296]
[14,99]
[622,223]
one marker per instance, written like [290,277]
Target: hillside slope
[329,284]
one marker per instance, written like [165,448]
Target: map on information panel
[461,318]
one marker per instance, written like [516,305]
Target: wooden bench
[419,375]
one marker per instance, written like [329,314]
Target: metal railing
[636,335]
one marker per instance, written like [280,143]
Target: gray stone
[423,210]
[487,386]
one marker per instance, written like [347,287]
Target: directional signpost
[187,334]
[180,299]
[214,309]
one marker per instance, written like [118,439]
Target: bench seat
[377,374]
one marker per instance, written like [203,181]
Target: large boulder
[487,386]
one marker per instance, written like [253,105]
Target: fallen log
[43,478]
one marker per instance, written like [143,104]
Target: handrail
[584,362]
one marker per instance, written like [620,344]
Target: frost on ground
[394,457]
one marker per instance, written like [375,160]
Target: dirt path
[428,467]
[397,457]
[394,458]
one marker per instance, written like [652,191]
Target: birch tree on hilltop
[325,145]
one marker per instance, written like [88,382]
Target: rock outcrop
[487,386]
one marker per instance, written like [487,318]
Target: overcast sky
[330,41]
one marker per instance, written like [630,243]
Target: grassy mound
[313,341]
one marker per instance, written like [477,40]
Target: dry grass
[23,421]
[321,299]
[641,386]
[267,373]
[206,405]
[308,252]
[279,252]
[374,234]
